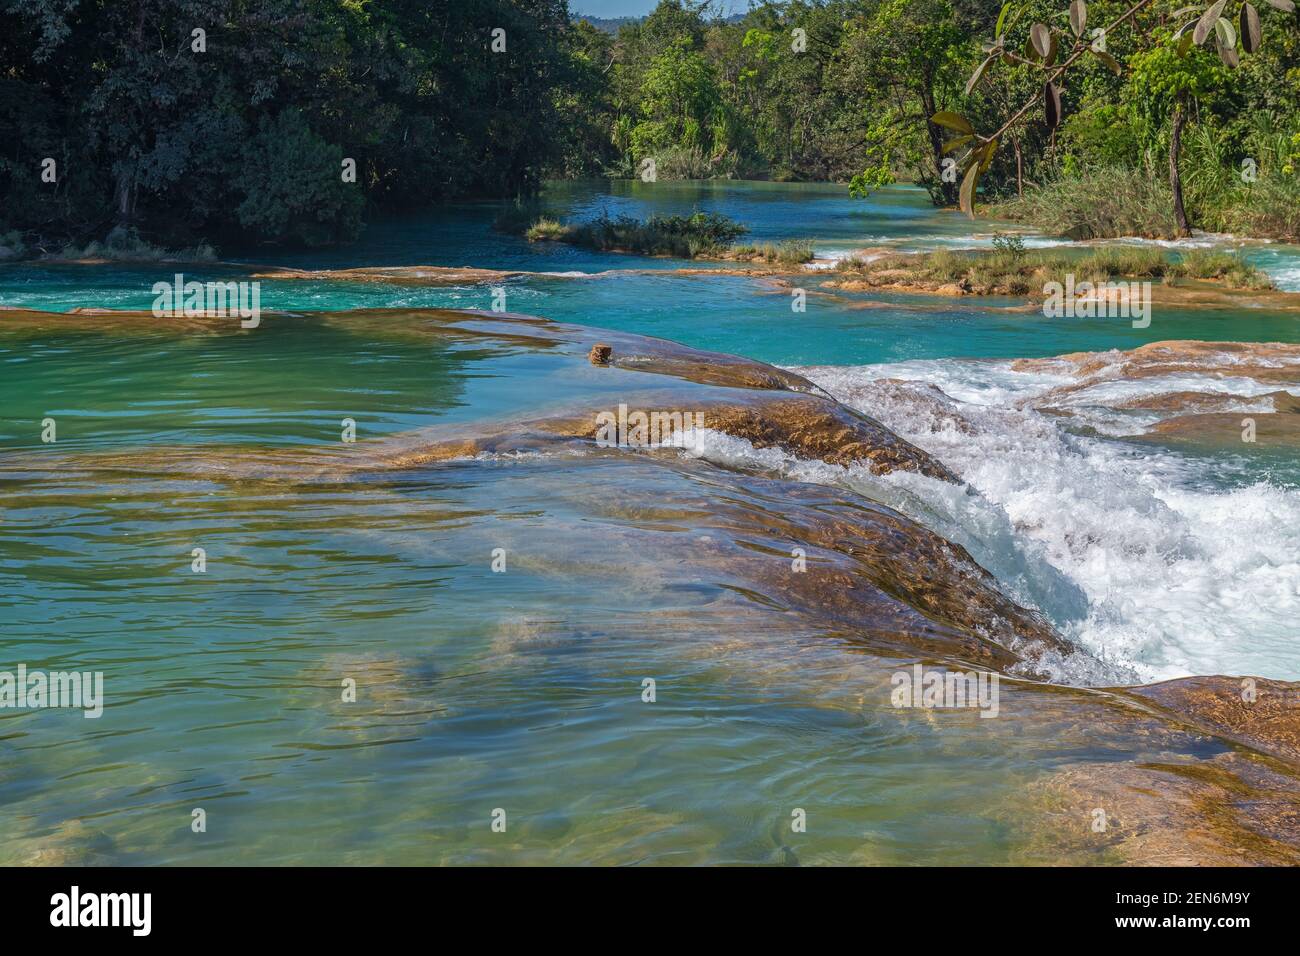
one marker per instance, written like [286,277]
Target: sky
[637,8]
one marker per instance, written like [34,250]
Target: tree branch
[1081,47]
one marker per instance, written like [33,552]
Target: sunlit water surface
[523,690]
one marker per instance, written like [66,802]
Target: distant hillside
[608,24]
[611,24]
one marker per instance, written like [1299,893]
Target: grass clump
[1016,271]
[1102,203]
[516,218]
[1129,262]
[1230,267]
[787,252]
[126,245]
[545,229]
[1270,209]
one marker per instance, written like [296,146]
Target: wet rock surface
[1219,784]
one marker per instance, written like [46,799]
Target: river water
[521,689]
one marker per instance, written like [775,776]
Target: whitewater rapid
[1147,560]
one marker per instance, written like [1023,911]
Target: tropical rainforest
[292,121]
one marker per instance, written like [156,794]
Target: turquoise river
[612,651]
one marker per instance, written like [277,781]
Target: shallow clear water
[522,690]
[724,313]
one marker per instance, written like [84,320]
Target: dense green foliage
[246,138]
[246,135]
[844,89]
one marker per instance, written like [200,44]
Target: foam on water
[957,513]
[1095,404]
[1178,576]
[1197,240]
[1286,278]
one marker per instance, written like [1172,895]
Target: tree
[910,52]
[1162,85]
[1054,51]
[679,101]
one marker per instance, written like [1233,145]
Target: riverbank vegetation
[292,121]
[698,236]
[849,90]
[687,237]
[275,121]
[1013,270]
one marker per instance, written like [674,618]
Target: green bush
[998,270]
[517,217]
[293,188]
[125,244]
[1009,246]
[686,237]
[947,266]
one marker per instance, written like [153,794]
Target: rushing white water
[1136,554]
[1180,576]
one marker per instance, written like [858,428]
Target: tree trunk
[124,191]
[123,198]
[1020,169]
[946,189]
[1175,179]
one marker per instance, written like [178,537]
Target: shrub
[946,265]
[544,229]
[684,236]
[1099,203]
[787,252]
[292,187]
[996,270]
[515,218]
[126,245]
[1269,209]
[1009,245]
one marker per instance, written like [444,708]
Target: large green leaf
[952,121]
[1227,35]
[1002,19]
[1051,50]
[979,72]
[986,157]
[956,141]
